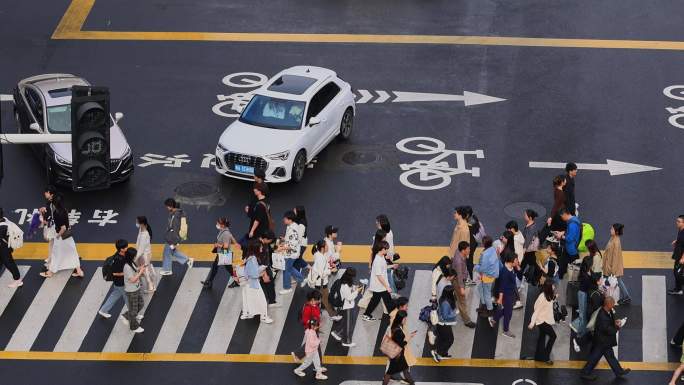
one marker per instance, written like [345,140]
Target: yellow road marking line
[331,360]
[350,254]
[71,27]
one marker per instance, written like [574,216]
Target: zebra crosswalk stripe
[180,312]
[421,292]
[77,328]
[36,315]
[509,348]
[326,323]
[653,302]
[6,293]
[463,348]
[268,335]
[225,320]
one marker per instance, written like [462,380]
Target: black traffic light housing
[90,125]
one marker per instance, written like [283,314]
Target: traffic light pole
[34,138]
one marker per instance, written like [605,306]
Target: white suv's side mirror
[118,116]
[35,127]
[314,120]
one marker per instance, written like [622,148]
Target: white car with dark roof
[287,122]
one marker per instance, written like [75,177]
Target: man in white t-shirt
[379,285]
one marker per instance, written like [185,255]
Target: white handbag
[278,260]
[49,233]
[225,257]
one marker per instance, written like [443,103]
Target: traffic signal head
[90,125]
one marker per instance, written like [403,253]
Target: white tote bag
[278,260]
[225,257]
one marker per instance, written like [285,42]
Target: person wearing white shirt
[518,239]
[300,220]
[342,331]
[144,247]
[321,274]
[292,250]
[544,319]
[334,248]
[379,285]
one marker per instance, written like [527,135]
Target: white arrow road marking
[6,98]
[383,96]
[469,98]
[365,96]
[614,167]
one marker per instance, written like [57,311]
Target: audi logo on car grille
[243,159]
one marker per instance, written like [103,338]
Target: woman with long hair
[543,318]
[253,298]
[320,272]
[224,241]
[613,263]
[440,271]
[64,255]
[144,247]
[348,291]
[446,311]
[555,221]
[134,297]
[303,228]
[400,364]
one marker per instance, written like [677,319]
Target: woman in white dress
[253,298]
[144,247]
[63,255]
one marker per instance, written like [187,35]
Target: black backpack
[335,297]
[108,268]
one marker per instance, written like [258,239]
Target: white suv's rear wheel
[298,167]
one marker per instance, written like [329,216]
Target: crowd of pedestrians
[540,253]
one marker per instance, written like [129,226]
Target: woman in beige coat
[461,230]
[613,261]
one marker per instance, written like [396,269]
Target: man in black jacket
[678,258]
[569,189]
[605,331]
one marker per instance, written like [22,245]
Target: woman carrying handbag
[63,254]
[224,254]
[395,347]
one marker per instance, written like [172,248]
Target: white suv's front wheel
[346,124]
[298,167]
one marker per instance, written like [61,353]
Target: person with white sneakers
[254,300]
[173,238]
[132,274]
[292,249]
[117,278]
[6,253]
[311,344]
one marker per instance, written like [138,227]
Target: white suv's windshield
[59,119]
[275,113]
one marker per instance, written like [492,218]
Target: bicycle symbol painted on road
[435,173]
[238,100]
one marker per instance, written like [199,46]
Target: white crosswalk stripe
[36,315]
[654,341]
[463,347]
[268,335]
[225,320]
[85,313]
[6,293]
[179,315]
[421,291]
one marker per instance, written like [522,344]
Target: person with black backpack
[112,270]
[343,293]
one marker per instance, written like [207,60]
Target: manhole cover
[356,158]
[515,209]
[199,194]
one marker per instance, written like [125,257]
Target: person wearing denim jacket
[488,268]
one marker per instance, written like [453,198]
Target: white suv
[288,121]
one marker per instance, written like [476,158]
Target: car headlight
[220,147]
[279,156]
[62,161]
[127,153]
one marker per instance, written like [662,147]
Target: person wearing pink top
[311,344]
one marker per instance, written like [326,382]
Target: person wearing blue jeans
[506,295]
[488,269]
[292,244]
[173,239]
[117,278]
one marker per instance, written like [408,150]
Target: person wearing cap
[334,248]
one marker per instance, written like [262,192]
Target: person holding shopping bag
[63,255]
[403,361]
